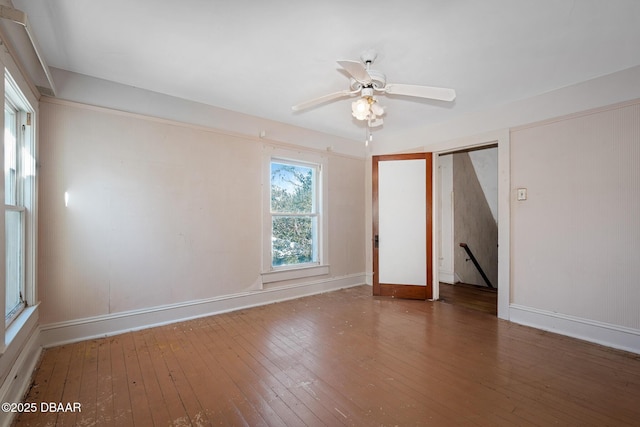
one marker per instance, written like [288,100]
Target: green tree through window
[294,216]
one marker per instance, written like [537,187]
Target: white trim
[19,17]
[25,321]
[112,324]
[23,359]
[606,334]
[504,223]
[294,273]
[502,138]
[446,277]
[369,278]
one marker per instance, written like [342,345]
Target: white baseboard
[112,324]
[606,334]
[446,277]
[369,280]
[24,354]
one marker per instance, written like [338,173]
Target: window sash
[287,254]
[14,217]
[15,262]
[315,169]
[302,249]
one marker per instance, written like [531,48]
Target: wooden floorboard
[343,358]
[480,298]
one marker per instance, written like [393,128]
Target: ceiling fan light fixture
[361,108]
[377,109]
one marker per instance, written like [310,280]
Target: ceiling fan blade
[439,93]
[357,71]
[323,99]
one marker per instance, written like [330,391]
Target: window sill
[22,324]
[294,273]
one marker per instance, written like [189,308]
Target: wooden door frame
[400,290]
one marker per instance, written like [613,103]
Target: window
[295,224]
[19,189]
[294,213]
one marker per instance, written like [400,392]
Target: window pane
[292,188]
[292,240]
[14,251]
[10,156]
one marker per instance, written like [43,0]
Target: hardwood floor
[474,297]
[340,358]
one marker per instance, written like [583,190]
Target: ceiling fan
[366,83]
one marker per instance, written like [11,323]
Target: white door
[402,225]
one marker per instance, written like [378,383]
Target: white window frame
[25,203]
[272,274]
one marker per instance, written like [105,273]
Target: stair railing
[475,262]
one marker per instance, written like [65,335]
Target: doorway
[468,228]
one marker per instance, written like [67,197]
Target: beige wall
[576,240]
[160,212]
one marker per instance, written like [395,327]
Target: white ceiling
[262,57]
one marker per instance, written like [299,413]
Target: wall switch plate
[522,194]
